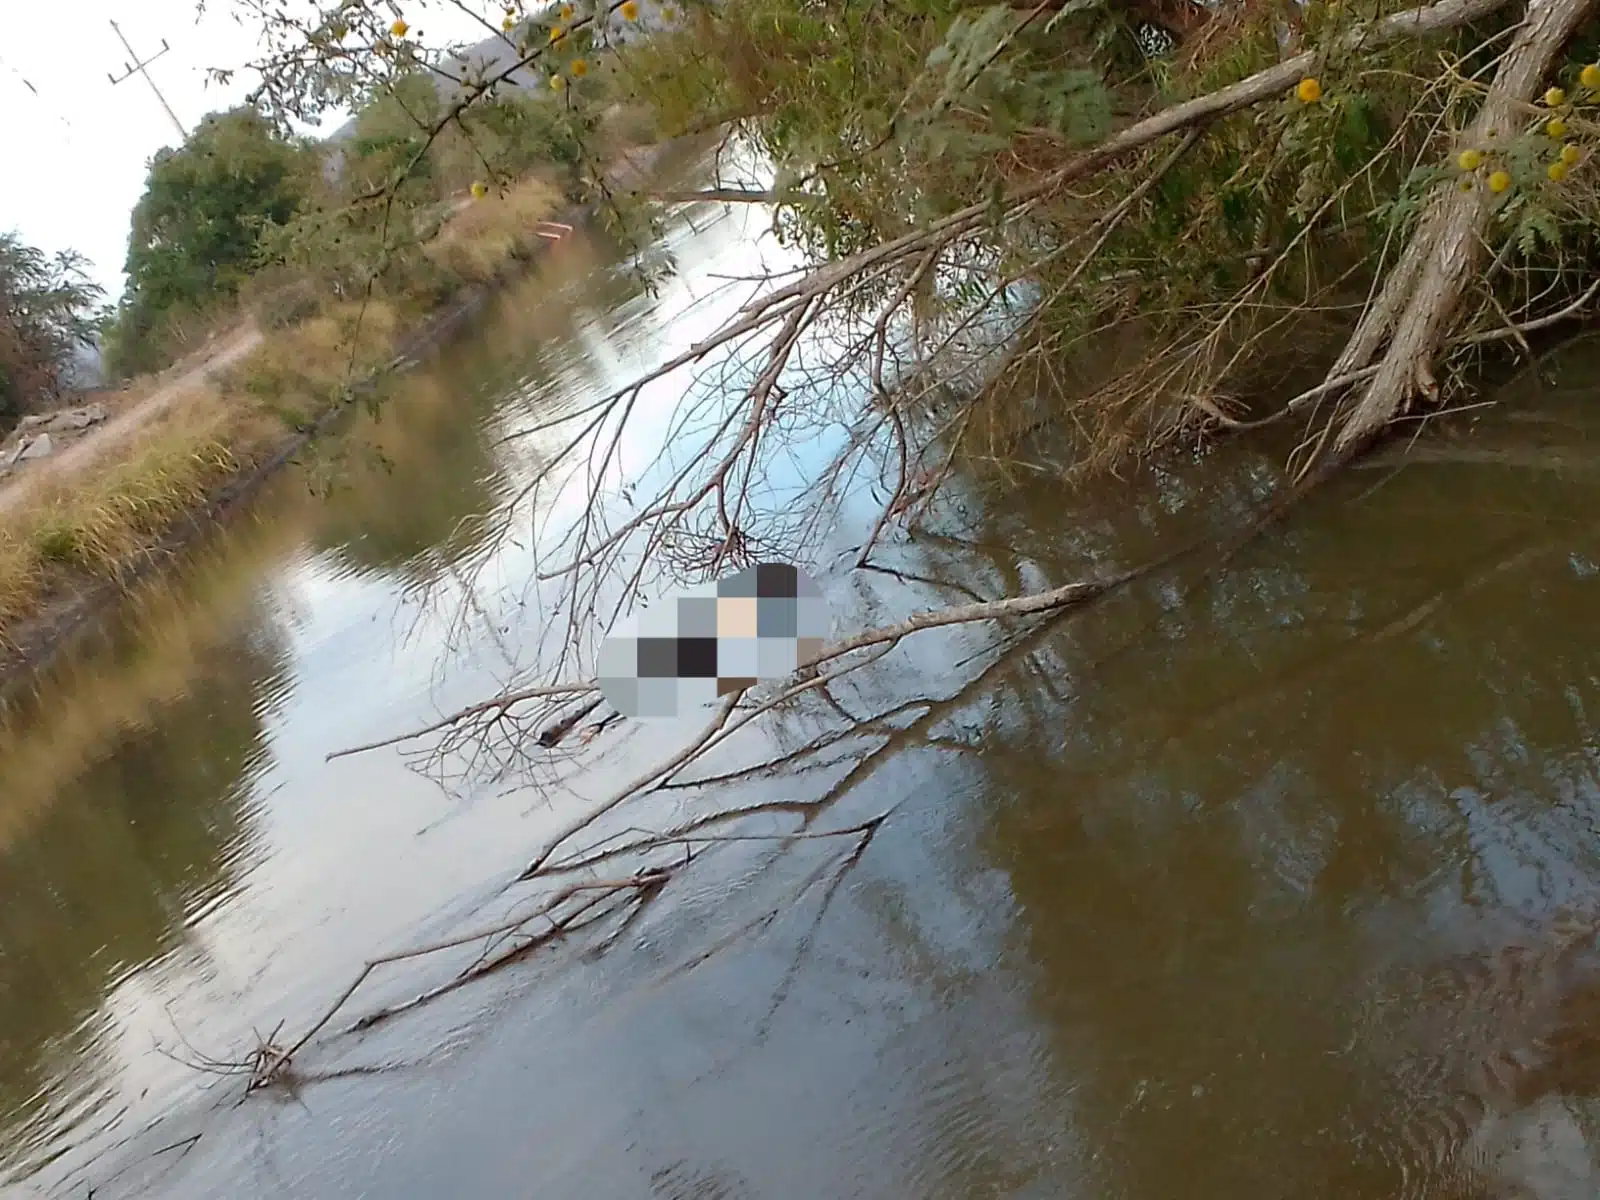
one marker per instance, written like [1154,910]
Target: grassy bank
[74,532]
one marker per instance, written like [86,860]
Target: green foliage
[391,135]
[1537,228]
[198,230]
[877,117]
[47,312]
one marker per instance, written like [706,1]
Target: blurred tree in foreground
[47,316]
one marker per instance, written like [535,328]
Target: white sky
[73,161]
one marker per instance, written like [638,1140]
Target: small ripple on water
[1481,1105]
[37,1140]
[961,1130]
[1425,1148]
[684,1180]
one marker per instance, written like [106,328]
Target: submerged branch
[498,706]
[281,1060]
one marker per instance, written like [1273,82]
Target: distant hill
[493,55]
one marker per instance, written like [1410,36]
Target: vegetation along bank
[273,280]
[1184,219]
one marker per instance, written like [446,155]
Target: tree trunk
[1422,294]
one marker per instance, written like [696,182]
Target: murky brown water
[1241,884]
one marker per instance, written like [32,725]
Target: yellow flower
[629,10]
[579,68]
[1309,91]
[1499,182]
[1470,160]
[1590,76]
[1557,172]
[566,12]
[557,34]
[399,29]
[1555,97]
[558,82]
[1557,128]
[1570,155]
[480,189]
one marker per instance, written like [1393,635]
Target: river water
[1278,880]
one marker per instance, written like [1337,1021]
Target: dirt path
[81,454]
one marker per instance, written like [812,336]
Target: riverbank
[193,452]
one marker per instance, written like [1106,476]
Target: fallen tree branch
[1272,81]
[279,1062]
[713,196]
[1339,382]
[884,639]
[499,705]
[1422,295]
[581,915]
[644,781]
[1567,312]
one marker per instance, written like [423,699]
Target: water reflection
[385,522]
[151,829]
[1250,818]
[132,801]
[1189,893]
[422,476]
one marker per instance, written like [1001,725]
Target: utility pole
[137,67]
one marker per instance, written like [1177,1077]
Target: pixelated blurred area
[760,624]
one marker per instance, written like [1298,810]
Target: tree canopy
[1205,180]
[197,231]
[47,314]
[1133,222]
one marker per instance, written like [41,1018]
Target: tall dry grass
[98,522]
[299,371]
[488,236]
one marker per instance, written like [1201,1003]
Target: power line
[137,67]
